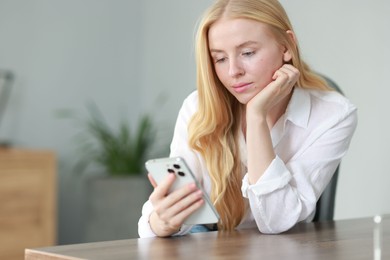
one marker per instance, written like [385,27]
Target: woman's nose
[235,68]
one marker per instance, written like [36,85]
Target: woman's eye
[248,53]
[220,60]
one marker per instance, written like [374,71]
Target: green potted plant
[115,197]
[120,151]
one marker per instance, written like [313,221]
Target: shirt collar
[298,109]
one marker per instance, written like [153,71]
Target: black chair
[6,80]
[326,203]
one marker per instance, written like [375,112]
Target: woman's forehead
[237,31]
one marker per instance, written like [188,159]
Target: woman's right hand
[171,209]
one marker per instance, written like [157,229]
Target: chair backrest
[6,80]
[326,203]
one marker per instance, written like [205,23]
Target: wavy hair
[214,128]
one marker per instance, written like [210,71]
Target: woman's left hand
[281,86]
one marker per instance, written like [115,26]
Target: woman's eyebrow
[244,44]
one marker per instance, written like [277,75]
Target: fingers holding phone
[171,209]
[178,198]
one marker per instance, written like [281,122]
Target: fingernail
[192,186]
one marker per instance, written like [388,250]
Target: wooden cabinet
[28,210]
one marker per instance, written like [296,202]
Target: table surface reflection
[343,239]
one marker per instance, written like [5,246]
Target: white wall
[63,54]
[168,56]
[124,53]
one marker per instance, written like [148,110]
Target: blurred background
[133,57]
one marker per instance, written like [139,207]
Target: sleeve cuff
[275,177]
[144,229]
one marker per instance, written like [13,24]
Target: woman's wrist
[160,228]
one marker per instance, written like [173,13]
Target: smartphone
[160,168]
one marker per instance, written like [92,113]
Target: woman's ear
[287,55]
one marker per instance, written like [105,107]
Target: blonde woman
[262,132]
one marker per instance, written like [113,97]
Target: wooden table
[344,239]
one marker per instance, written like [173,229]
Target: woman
[263,133]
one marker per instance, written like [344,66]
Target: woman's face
[245,56]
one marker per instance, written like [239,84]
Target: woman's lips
[241,87]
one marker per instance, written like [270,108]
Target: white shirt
[309,141]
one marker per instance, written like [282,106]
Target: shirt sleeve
[287,192]
[144,229]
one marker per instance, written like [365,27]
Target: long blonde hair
[214,128]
